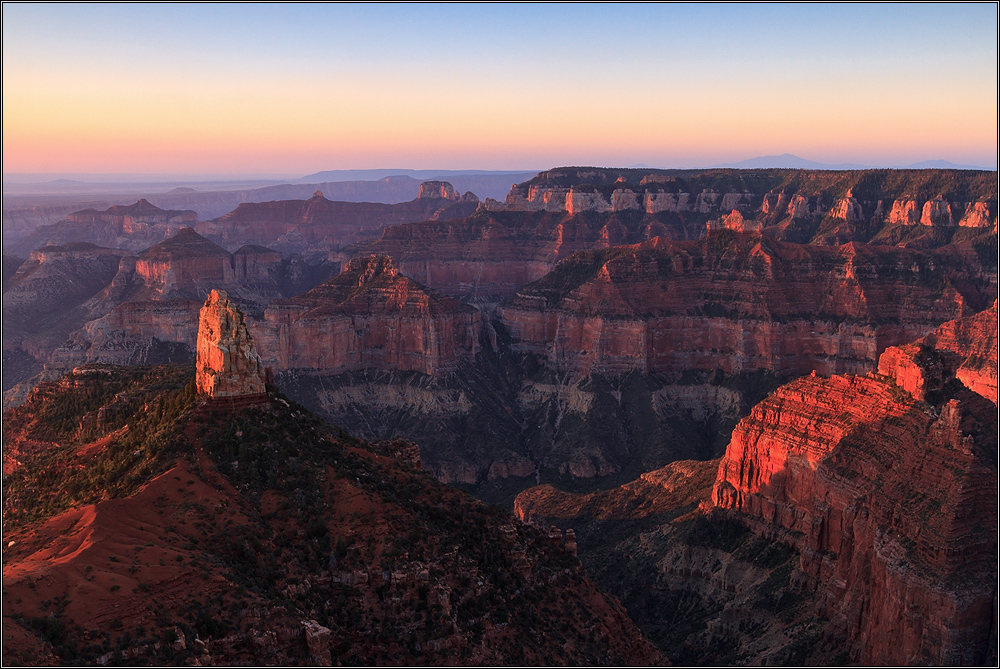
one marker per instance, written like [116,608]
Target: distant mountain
[944,165]
[790,161]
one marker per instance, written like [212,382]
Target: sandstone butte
[887,485]
[741,302]
[228,365]
[369,315]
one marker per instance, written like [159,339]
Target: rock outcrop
[965,349]
[488,256]
[132,227]
[227,365]
[738,303]
[943,197]
[889,495]
[369,316]
[148,312]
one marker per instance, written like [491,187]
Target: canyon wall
[945,198]
[369,316]
[965,349]
[889,493]
[131,227]
[565,210]
[738,303]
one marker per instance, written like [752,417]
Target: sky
[294,89]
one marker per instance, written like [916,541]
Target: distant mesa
[228,365]
[181,189]
[437,189]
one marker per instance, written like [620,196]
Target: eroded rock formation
[321,225]
[132,227]
[738,303]
[492,254]
[965,349]
[228,364]
[369,316]
[889,494]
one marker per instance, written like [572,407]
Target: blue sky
[305,87]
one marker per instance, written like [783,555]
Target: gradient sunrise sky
[290,90]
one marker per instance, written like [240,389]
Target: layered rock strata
[738,303]
[227,365]
[132,227]
[891,501]
[544,220]
[965,349]
[898,197]
[369,316]
[42,303]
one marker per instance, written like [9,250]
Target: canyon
[565,210]
[159,525]
[81,303]
[880,489]
[763,400]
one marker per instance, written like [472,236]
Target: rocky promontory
[228,365]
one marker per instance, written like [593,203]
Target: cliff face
[227,364]
[934,198]
[704,587]
[851,520]
[321,225]
[71,305]
[738,303]
[369,316]
[489,256]
[43,302]
[891,501]
[965,349]
[132,227]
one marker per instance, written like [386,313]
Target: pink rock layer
[891,501]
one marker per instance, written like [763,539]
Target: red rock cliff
[966,349]
[369,316]
[891,501]
[228,364]
[739,303]
[185,260]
